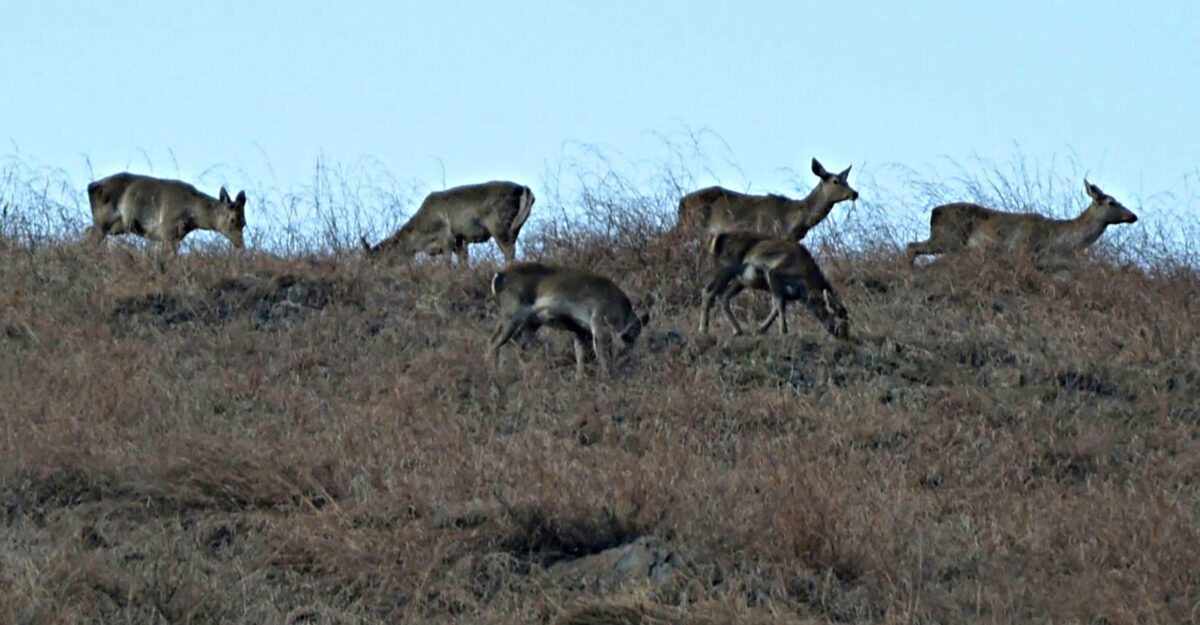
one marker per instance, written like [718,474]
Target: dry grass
[259,439]
[309,438]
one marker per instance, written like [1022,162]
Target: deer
[729,248]
[959,226]
[717,209]
[447,221]
[589,306]
[161,210]
[781,267]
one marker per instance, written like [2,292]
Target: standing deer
[449,220]
[954,227]
[716,209]
[161,210]
[783,268]
[589,306]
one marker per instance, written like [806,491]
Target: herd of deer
[754,239]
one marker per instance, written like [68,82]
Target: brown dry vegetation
[311,438]
[254,439]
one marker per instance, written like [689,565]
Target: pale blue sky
[496,89]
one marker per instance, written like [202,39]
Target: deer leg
[524,338]
[726,284]
[161,254]
[937,243]
[461,251]
[733,291]
[777,311]
[915,249]
[775,285]
[717,286]
[705,307]
[580,355]
[933,246]
[910,253]
[505,240]
[172,244]
[602,343]
[508,248]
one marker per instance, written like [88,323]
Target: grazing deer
[954,227]
[449,220]
[730,248]
[161,210]
[589,306]
[783,268]
[716,209]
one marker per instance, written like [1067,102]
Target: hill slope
[256,439]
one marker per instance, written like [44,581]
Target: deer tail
[524,204]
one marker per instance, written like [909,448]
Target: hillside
[246,438]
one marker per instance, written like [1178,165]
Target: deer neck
[400,242]
[202,215]
[808,212]
[1082,231]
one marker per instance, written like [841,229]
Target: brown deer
[449,220]
[161,210]
[955,227]
[730,248]
[591,307]
[716,209]
[781,267]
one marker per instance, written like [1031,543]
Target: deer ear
[845,175]
[223,195]
[1092,190]
[240,202]
[819,170]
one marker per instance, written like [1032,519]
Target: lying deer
[954,227]
[161,210]
[783,268]
[716,209]
[449,220]
[589,306]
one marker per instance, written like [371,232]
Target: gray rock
[646,559]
